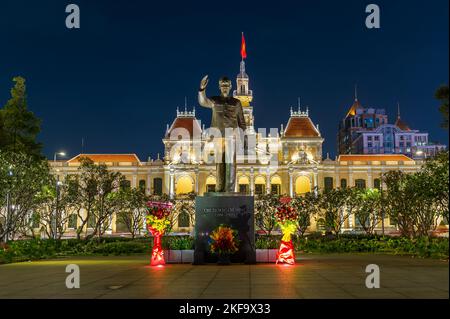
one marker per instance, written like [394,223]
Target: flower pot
[272,255]
[224,259]
[187,256]
[174,256]
[262,255]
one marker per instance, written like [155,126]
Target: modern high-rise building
[367,131]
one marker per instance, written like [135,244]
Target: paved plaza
[314,276]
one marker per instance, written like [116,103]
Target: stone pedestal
[232,209]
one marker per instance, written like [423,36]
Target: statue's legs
[230,164]
[220,168]
[220,177]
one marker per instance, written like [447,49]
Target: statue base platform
[233,209]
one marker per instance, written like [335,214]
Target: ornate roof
[185,120]
[352,111]
[373,158]
[402,125]
[300,125]
[105,158]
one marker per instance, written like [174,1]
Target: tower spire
[398,110]
[356,92]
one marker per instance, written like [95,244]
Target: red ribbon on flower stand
[286,253]
[157,251]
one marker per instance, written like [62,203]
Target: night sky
[118,80]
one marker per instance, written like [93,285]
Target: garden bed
[180,248]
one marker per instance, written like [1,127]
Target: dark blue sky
[118,80]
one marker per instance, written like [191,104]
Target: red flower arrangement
[157,224]
[224,240]
[287,218]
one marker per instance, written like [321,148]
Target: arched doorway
[243,184]
[184,185]
[210,184]
[275,185]
[302,185]
[260,185]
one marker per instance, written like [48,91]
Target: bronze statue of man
[226,113]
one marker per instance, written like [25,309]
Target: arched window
[243,185]
[92,221]
[302,185]
[377,183]
[72,223]
[184,219]
[360,183]
[157,186]
[142,185]
[210,184]
[343,183]
[125,184]
[275,185]
[184,185]
[260,185]
[328,182]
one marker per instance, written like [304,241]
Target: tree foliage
[442,95]
[132,209]
[23,179]
[265,208]
[19,126]
[415,201]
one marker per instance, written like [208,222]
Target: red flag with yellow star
[243,48]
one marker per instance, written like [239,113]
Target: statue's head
[225,86]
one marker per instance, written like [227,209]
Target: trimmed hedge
[34,249]
[421,247]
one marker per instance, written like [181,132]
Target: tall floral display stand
[287,218]
[157,224]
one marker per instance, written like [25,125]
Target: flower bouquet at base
[286,217]
[157,224]
[224,243]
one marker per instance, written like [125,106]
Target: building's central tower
[243,93]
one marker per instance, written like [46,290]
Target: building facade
[286,161]
[367,131]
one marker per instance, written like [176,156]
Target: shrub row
[34,249]
[421,247]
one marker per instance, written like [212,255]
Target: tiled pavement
[314,276]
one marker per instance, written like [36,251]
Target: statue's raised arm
[203,100]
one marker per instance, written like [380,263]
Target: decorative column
[337,177]
[268,181]
[369,178]
[316,184]
[148,189]
[134,181]
[291,185]
[252,181]
[196,180]
[350,177]
[172,183]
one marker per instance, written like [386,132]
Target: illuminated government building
[297,146]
